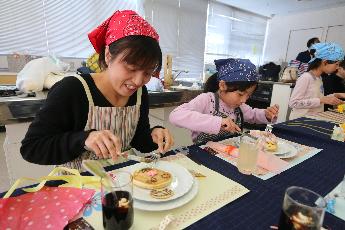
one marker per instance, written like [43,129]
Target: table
[260,208]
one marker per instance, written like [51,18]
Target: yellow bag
[74,180]
[92,63]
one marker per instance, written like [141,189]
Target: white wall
[280,26]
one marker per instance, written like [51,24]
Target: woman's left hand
[272,112]
[163,138]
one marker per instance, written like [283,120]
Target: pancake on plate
[151,178]
[268,139]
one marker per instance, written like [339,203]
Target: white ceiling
[270,8]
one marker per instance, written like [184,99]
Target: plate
[149,206]
[182,181]
[285,150]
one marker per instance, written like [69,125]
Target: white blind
[59,27]
[181,25]
[234,33]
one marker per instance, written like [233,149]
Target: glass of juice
[302,209]
[246,162]
[117,201]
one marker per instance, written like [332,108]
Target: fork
[269,128]
[154,157]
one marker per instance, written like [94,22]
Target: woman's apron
[122,121]
[318,92]
[204,137]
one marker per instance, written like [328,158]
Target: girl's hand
[163,138]
[104,144]
[272,112]
[331,100]
[339,95]
[229,125]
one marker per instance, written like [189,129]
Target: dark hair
[212,85]
[312,41]
[317,63]
[342,64]
[142,51]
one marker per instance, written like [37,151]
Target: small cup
[246,162]
[302,209]
[117,201]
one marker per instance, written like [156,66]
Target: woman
[105,113]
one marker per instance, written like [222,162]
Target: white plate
[149,206]
[285,150]
[182,181]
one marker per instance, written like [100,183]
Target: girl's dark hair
[317,63]
[342,64]
[312,41]
[212,85]
[141,51]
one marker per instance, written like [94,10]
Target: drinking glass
[302,209]
[117,201]
[246,162]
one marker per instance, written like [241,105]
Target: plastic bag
[47,207]
[32,77]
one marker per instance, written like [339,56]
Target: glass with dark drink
[302,209]
[117,201]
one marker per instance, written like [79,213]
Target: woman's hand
[104,144]
[163,138]
[272,112]
[331,100]
[229,126]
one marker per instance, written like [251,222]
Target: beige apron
[318,92]
[122,121]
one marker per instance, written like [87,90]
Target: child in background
[221,110]
[308,94]
[335,82]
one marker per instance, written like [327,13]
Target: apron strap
[216,102]
[87,90]
[139,93]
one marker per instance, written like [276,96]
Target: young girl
[308,94]
[221,111]
[104,112]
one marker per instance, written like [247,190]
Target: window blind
[181,25]
[59,27]
[232,32]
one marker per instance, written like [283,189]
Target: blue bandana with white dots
[231,70]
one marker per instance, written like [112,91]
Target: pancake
[268,140]
[161,193]
[151,178]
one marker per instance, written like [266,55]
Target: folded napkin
[265,160]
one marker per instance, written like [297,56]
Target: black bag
[269,72]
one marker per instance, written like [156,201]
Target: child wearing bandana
[221,110]
[100,115]
[308,95]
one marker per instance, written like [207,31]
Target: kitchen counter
[18,108]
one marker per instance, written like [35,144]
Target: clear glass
[117,201]
[246,162]
[302,209]
[342,188]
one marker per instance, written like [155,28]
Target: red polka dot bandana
[119,25]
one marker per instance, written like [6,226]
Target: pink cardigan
[305,97]
[196,115]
